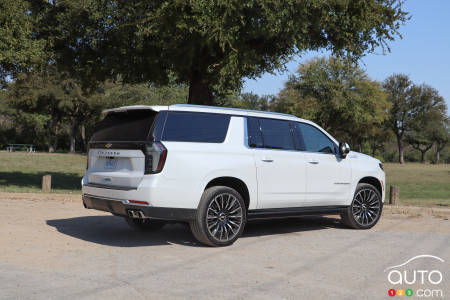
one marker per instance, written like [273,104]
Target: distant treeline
[395,120]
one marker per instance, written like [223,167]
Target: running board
[275,213]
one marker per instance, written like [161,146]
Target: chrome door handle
[314,162]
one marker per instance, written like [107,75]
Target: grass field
[420,184]
[22,172]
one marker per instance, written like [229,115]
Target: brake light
[155,157]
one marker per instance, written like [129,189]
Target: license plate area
[110,164]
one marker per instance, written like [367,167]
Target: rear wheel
[221,217]
[144,224]
[366,208]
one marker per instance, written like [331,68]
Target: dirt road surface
[59,250]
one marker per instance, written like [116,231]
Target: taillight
[155,157]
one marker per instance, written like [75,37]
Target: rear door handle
[267,159]
[314,162]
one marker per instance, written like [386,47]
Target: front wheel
[221,217]
[366,208]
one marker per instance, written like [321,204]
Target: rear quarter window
[195,127]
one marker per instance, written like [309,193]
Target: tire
[221,217]
[366,208]
[144,224]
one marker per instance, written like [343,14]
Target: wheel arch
[372,181]
[234,183]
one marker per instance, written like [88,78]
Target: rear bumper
[120,207]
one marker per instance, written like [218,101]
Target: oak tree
[210,45]
[338,95]
[20,48]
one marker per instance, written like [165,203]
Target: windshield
[132,125]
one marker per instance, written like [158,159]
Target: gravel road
[56,250]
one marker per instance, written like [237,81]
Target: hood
[362,156]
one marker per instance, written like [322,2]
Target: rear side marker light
[138,202]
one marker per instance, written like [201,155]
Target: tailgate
[116,168]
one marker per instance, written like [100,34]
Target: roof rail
[232,109]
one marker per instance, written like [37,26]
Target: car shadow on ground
[113,231]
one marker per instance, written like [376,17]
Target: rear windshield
[132,125]
[195,127]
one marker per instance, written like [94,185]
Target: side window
[298,137]
[276,134]
[195,127]
[254,134]
[315,140]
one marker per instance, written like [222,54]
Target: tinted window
[254,133]
[131,125]
[298,137]
[195,127]
[315,140]
[276,134]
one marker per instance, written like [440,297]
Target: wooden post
[46,183]
[395,195]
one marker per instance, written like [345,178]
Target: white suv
[216,168]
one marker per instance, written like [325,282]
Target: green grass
[22,172]
[420,184]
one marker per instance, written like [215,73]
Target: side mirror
[344,149]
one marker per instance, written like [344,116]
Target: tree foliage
[210,45]
[400,90]
[20,48]
[337,95]
[55,103]
[428,121]
[441,137]
[414,112]
[49,94]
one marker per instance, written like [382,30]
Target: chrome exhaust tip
[135,214]
[131,213]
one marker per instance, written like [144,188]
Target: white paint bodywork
[274,178]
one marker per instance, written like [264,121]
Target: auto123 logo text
[411,278]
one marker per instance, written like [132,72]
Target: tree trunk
[438,154]
[439,147]
[422,159]
[52,136]
[199,92]
[72,134]
[400,149]
[83,137]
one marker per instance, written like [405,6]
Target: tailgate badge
[108,145]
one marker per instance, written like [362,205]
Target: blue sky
[423,53]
